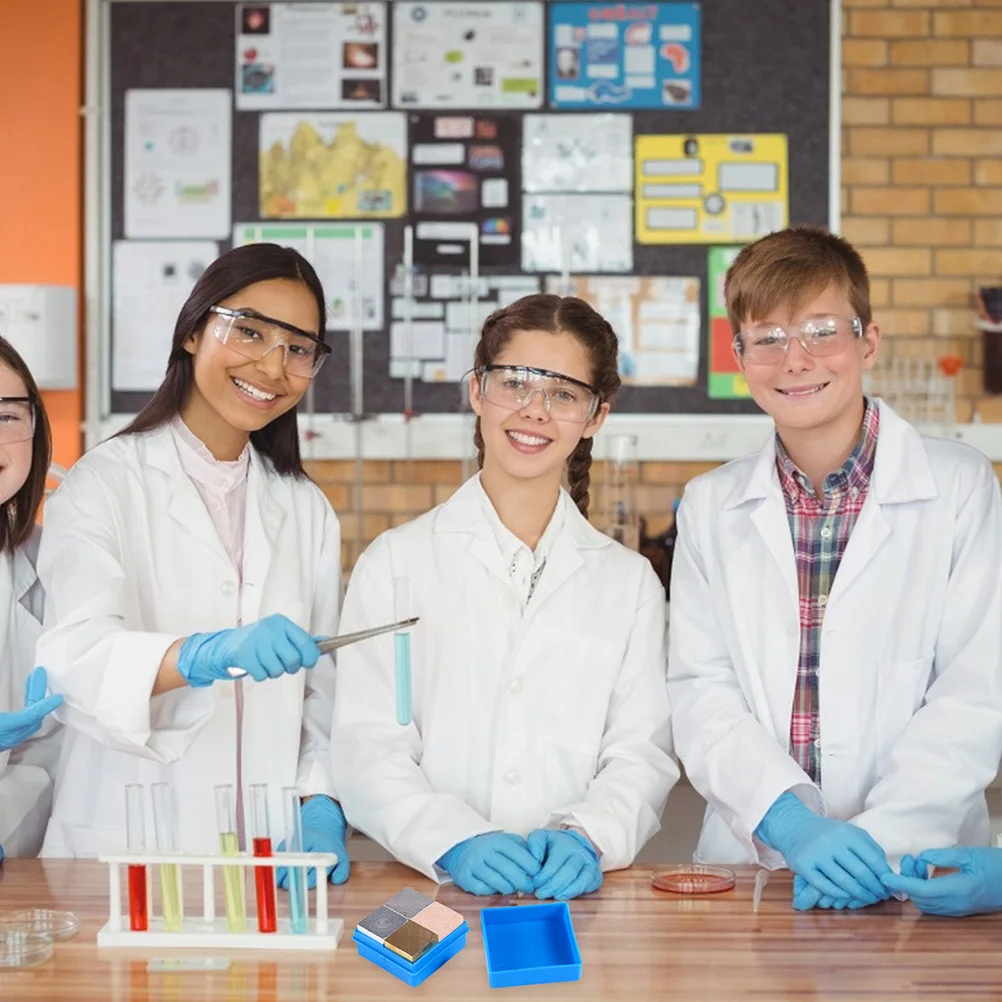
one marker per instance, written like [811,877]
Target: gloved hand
[976,889]
[569,864]
[18,726]
[324,830]
[806,897]
[835,857]
[494,863]
[266,649]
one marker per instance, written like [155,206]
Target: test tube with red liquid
[264,876]
[135,826]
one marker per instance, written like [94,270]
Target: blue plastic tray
[426,966]
[530,945]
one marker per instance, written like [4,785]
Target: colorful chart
[724,379]
[618,55]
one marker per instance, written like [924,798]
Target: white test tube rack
[322,932]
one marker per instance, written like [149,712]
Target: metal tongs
[326,646]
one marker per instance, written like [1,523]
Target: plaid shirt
[820,530]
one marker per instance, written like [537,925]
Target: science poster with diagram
[710,189]
[625,55]
[316,165]
[479,54]
[465,169]
[724,379]
[310,55]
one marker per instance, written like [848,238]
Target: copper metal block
[440,920]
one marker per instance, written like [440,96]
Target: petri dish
[58,925]
[693,879]
[19,948]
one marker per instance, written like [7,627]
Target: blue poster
[624,55]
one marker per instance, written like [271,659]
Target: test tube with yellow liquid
[165,823]
[229,845]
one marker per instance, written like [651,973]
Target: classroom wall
[921,198]
[41,236]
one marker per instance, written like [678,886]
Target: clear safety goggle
[767,344]
[17,419]
[514,386]
[255,336]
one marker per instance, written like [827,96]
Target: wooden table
[635,943]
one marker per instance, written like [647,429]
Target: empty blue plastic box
[424,967]
[530,945]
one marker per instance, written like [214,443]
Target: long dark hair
[226,276]
[20,511]
[556,314]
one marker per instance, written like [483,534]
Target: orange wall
[41,181]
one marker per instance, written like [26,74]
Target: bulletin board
[763,70]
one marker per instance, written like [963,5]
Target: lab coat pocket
[567,774]
[901,688]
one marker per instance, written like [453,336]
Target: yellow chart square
[710,189]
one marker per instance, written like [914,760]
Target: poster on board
[479,54]
[344,256]
[332,165]
[577,233]
[177,163]
[310,55]
[724,378]
[577,152]
[465,170]
[710,189]
[656,319]
[625,55]
[151,280]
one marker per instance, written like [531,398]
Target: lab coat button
[515,687]
[512,776]
[229,589]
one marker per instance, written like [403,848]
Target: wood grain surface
[636,944]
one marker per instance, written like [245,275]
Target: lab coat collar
[901,469]
[23,574]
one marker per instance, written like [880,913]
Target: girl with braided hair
[539,752]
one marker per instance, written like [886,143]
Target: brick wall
[921,198]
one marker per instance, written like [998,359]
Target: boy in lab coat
[835,663]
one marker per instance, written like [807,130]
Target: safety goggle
[255,336]
[514,386]
[767,344]
[17,419]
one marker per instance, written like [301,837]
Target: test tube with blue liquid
[402,609]
[294,843]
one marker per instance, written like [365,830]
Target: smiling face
[803,392]
[248,395]
[15,458]
[527,442]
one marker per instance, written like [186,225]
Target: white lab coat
[131,561]
[910,683]
[26,771]
[519,721]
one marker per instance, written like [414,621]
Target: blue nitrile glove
[569,864]
[976,889]
[494,863]
[835,857]
[18,726]
[324,830]
[806,897]
[266,649]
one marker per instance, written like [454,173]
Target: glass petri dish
[693,879]
[58,925]
[24,949]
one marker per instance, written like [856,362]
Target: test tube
[164,820]
[294,843]
[135,826]
[402,609]
[264,876]
[229,845]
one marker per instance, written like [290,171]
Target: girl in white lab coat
[539,752]
[190,545]
[29,743]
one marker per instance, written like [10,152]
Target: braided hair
[556,315]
